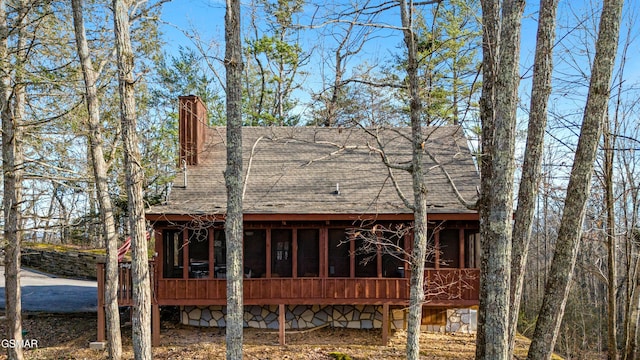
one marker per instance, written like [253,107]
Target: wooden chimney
[192,119]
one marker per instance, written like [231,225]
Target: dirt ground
[68,337]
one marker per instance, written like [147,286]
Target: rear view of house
[326,234]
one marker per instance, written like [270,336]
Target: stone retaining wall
[73,264]
[309,316]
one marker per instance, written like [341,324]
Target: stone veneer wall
[72,264]
[296,316]
[309,316]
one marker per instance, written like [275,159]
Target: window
[449,248]
[255,249]
[172,266]
[219,254]
[430,256]
[472,248]
[198,253]
[366,254]
[281,247]
[393,255]
[339,259]
[308,252]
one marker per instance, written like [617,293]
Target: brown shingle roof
[295,170]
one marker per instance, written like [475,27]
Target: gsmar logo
[24,343]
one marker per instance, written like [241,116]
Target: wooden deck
[443,287]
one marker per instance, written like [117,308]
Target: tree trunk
[141,324]
[233,180]
[530,179]
[633,322]
[100,175]
[12,159]
[498,115]
[561,273]
[612,342]
[416,290]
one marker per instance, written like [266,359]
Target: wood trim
[159,265]
[268,252]
[436,245]
[323,252]
[185,253]
[314,217]
[101,310]
[461,248]
[352,256]
[155,324]
[385,324]
[294,253]
[281,323]
[212,258]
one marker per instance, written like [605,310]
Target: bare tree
[501,48]
[233,180]
[530,179]
[100,169]
[561,272]
[419,205]
[12,167]
[141,327]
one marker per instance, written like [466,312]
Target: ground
[67,337]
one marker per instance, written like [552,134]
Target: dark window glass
[308,252]
[449,248]
[339,259]
[472,249]
[393,255]
[255,250]
[198,253]
[172,265]
[219,254]
[366,254]
[281,248]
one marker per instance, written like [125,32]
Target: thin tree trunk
[233,180]
[631,345]
[530,179]
[114,344]
[496,209]
[12,169]
[561,273]
[612,343]
[141,324]
[416,289]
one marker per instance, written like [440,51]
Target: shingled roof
[311,170]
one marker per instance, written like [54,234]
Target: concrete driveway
[48,293]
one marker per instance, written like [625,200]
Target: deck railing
[125,282]
[442,287]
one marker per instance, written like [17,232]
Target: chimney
[192,119]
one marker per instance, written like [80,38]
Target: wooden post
[385,324]
[101,314]
[155,324]
[461,249]
[281,322]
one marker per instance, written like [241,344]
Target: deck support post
[385,324]
[155,324]
[101,311]
[281,322]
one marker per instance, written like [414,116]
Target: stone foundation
[462,321]
[296,316]
[310,316]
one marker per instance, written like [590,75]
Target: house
[326,235]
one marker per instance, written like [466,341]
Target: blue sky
[207,16]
